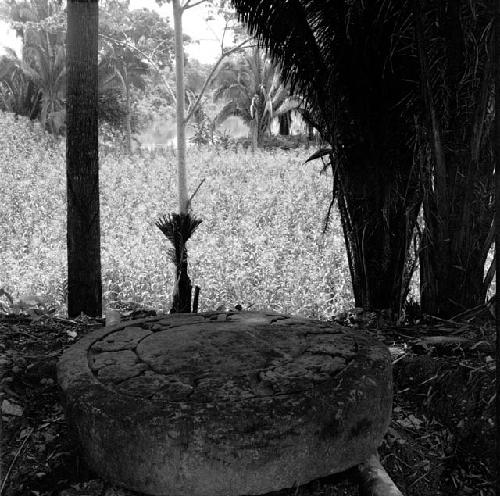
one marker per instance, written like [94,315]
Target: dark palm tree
[455,52]
[46,68]
[111,100]
[354,63]
[18,93]
[37,84]
[401,90]
[82,171]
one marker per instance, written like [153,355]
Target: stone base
[226,403]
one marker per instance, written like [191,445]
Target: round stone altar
[226,404]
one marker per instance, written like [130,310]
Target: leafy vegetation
[132,45]
[260,242]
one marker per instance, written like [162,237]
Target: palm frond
[10,53]
[319,154]
[178,228]
[290,103]
[230,109]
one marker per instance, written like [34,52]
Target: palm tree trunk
[83,224]
[458,208]
[496,137]
[454,252]
[378,213]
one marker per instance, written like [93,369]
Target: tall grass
[260,242]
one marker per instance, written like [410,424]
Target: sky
[207,50]
[8,38]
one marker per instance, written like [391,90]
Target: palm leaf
[320,153]
[232,109]
[290,103]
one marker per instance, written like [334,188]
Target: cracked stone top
[226,403]
[217,357]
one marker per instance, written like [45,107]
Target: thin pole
[181,125]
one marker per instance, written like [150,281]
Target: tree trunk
[254,126]
[454,251]
[284,120]
[1,444]
[374,480]
[310,132]
[496,137]
[128,117]
[181,125]
[360,100]
[181,301]
[458,169]
[371,130]
[182,291]
[378,221]
[83,228]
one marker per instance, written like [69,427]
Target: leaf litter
[424,451]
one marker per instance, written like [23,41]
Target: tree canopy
[253,90]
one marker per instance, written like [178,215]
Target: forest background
[248,255]
[136,110]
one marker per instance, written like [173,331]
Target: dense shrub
[260,241]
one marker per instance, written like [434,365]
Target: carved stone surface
[226,403]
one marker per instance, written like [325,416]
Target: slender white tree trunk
[129,112]
[255,134]
[126,87]
[181,126]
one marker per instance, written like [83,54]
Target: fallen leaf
[13,409]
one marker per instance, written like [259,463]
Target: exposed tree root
[374,480]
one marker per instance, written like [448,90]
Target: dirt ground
[440,442]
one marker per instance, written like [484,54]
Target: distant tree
[253,90]
[196,74]
[129,71]
[42,73]
[131,44]
[112,107]
[18,93]
[38,89]
[47,70]
[34,20]
[82,171]
[40,24]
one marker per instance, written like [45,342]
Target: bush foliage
[260,242]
